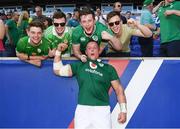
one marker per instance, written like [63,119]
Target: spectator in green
[88,30]
[169,16]
[59,33]
[12,30]
[23,23]
[34,48]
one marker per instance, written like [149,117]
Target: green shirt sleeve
[75,67]
[113,73]
[21,46]
[76,33]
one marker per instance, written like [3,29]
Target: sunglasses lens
[111,24]
[56,24]
[117,22]
[62,24]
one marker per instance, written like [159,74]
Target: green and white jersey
[24,46]
[56,39]
[94,79]
[80,37]
[169,25]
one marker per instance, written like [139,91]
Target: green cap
[147,2]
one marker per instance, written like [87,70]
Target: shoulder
[76,65]
[22,43]
[100,25]
[45,40]
[48,30]
[24,39]
[77,31]
[68,30]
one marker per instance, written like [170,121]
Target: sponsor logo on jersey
[92,65]
[94,72]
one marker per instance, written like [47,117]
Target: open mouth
[92,54]
[88,30]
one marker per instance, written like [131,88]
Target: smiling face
[87,22]
[92,50]
[35,34]
[59,24]
[114,24]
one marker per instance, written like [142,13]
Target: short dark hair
[57,15]
[36,24]
[90,41]
[76,10]
[112,14]
[86,11]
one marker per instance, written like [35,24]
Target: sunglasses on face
[112,23]
[61,24]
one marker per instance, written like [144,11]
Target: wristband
[123,107]
[58,53]
[57,65]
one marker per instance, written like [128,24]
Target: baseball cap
[147,2]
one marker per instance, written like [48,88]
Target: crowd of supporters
[25,36]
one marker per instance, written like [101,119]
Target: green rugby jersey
[94,79]
[24,46]
[79,36]
[55,39]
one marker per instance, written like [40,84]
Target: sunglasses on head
[61,24]
[112,23]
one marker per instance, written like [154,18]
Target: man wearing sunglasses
[88,30]
[59,34]
[124,32]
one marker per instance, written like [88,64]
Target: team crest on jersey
[95,38]
[83,39]
[39,50]
[92,65]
